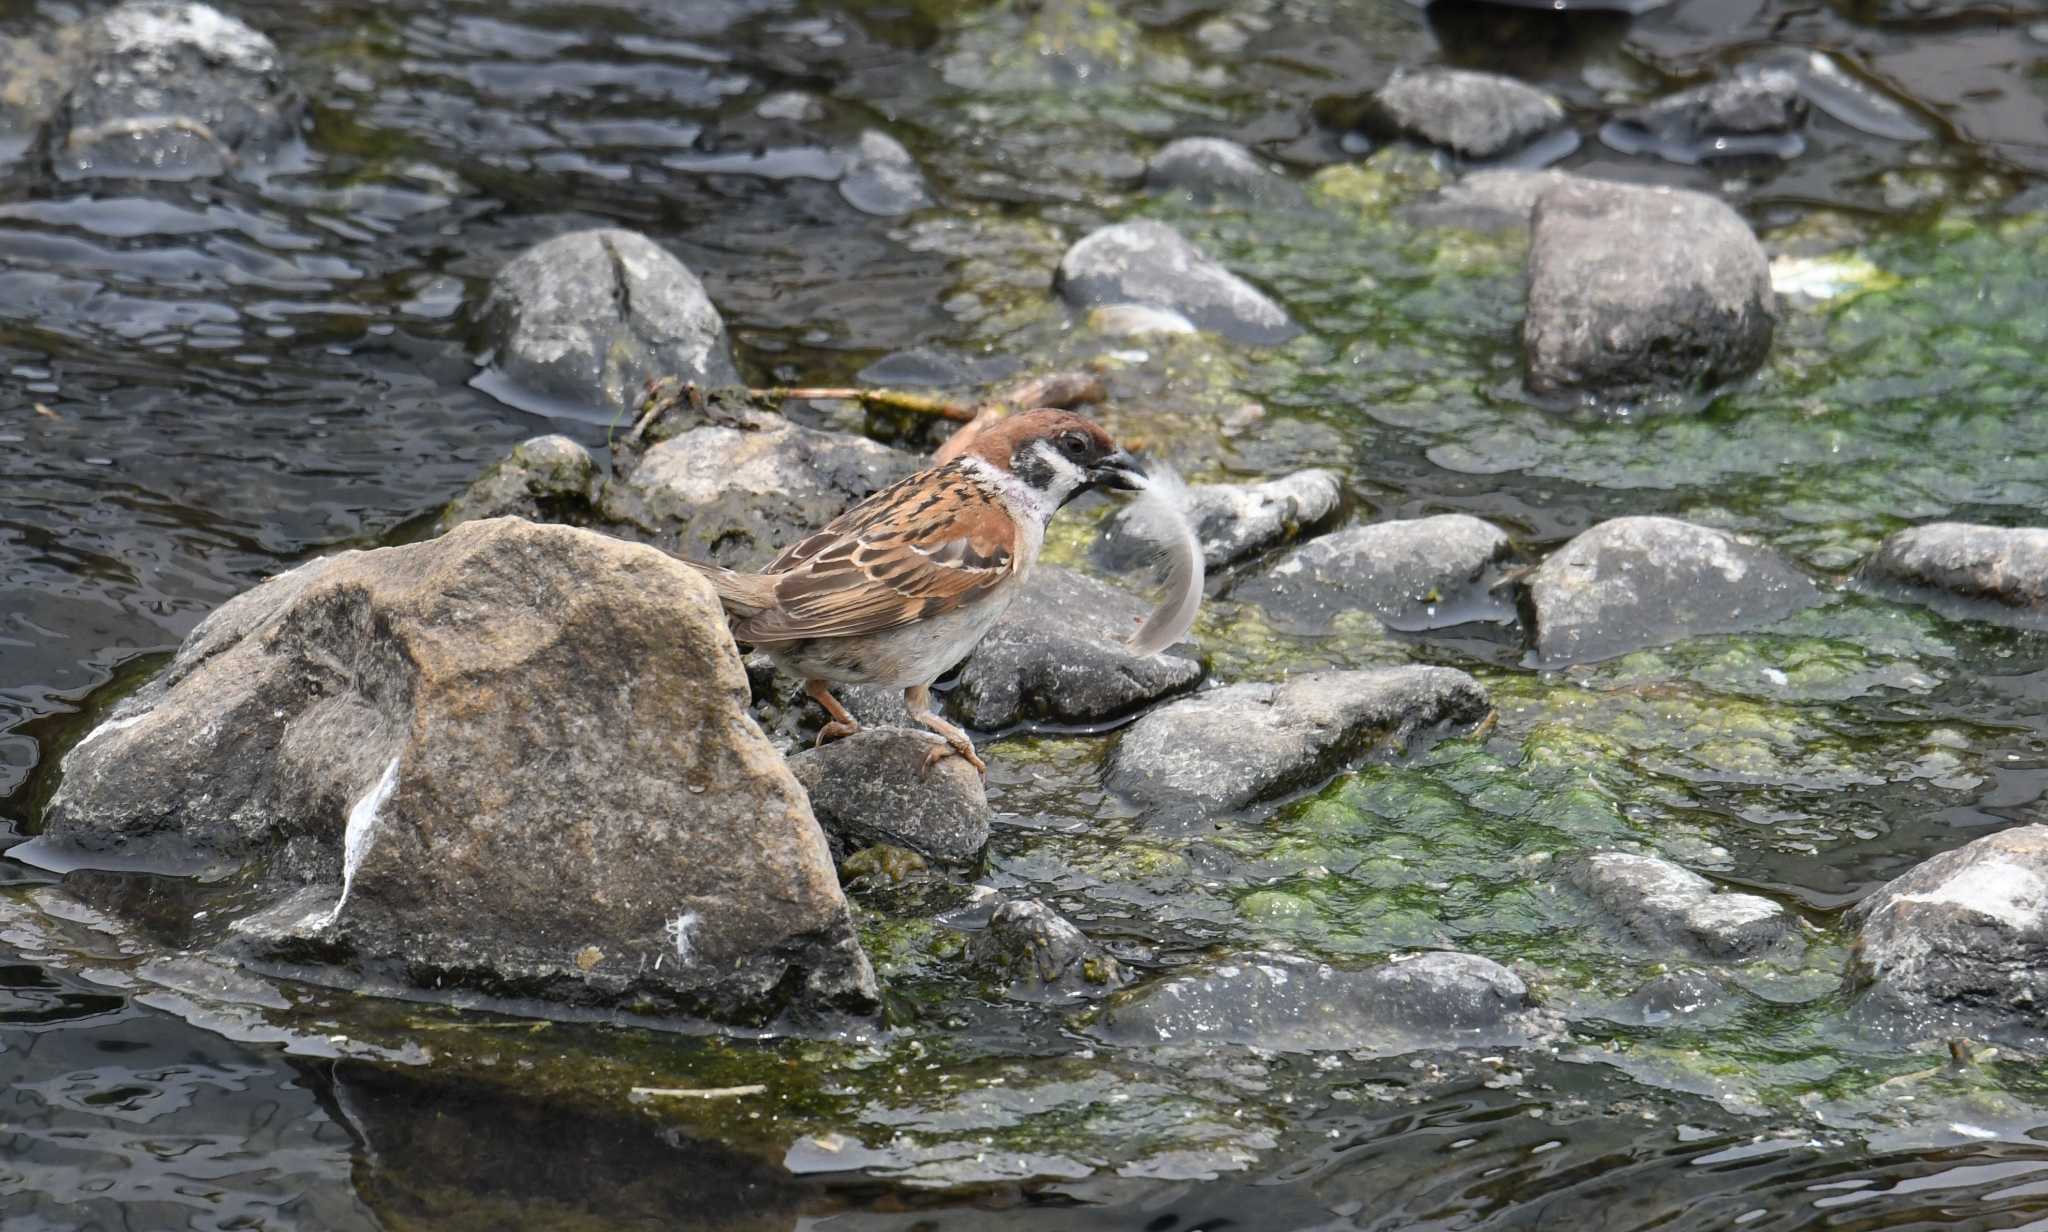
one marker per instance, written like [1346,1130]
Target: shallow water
[209,382]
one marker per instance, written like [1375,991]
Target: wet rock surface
[1493,199]
[546,479]
[583,321]
[1635,582]
[1243,743]
[1059,654]
[167,91]
[1959,944]
[882,178]
[1442,999]
[1036,954]
[1637,291]
[1665,906]
[873,788]
[1210,170]
[514,760]
[1976,572]
[1152,264]
[1691,997]
[1479,115]
[1750,114]
[1235,520]
[1425,573]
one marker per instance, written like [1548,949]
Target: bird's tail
[741,594]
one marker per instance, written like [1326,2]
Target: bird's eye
[1074,445]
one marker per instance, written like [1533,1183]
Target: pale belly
[914,654]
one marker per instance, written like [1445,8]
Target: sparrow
[899,588]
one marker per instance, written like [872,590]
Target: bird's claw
[962,750]
[835,730]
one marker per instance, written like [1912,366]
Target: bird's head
[1057,454]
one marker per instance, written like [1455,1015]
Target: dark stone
[1478,115]
[1437,1000]
[1662,906]
[1149,263]
[585,320]
[1210,171]
[1993,573]
[1234,746]
[1058,654]
[1630,583]
[872,788]
[1754,113]
[545,479]
[1637,291]
[1427,573]
[1036,954]
[513,761]
[1234,520]
[1959,944]
[882,178]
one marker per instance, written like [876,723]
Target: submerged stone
[512,761]
[1994,573]
[1659,904]
[1037,954]
[1479,115]
[1210,170]
[1425,573]
[1755,112]
[583,321]
[874,787]
[1959,944]
[1149,263]
[1437,1000]
[1238,745]
[882,178]
[1234,520]
[545,479]
[1638,291]
[1493,199]
[1629,583]
[1687,997]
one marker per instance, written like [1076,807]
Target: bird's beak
[1119,471]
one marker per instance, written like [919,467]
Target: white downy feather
[1158,515]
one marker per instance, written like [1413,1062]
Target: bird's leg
[842,724]
[918,698]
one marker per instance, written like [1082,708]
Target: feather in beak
[1159,516]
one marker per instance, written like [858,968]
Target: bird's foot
[955,746]
[836,729]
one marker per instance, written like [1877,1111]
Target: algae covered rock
[1244,743]
[1629,583]
[545,479]
[171,91]
[515,760]
[1150,263]
[1424,573]
[1235,520]
[1991,573]
[1037,954]
[1479,115]
[873,787]
[1959,944]
[1661,905]
[1441,999]
[1638,291]
[585,320]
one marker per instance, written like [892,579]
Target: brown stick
[888,399]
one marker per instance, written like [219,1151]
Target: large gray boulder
[1425,573]
[168,91]
[1244,743]
[1959,944]
[1629,583]
[1661,905]
[738,495]
[1212,171]
[1638,291]
[514,761]
[1479,115]
[1058,654]
[545,479]
[1234,520]
[1285,1003]
[1992,573]
[1149,263]
[873,787]
[584,320]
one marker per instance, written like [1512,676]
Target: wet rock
[1039,955]
[738,495]
[1285,1003]
[1638,291]
[1757,112]
[872,788]
[545,479]
[1478,115]
[1689,997]
[1635,582]
[586,319]
[1663,906]
[1210,170]
[1992,573]
[1960,942]
[1496,199]
[1425,573]
[1235,520]
[1058,654]
[1149,263]
[882,178]
[1244,743]
[172,92]
[514,760]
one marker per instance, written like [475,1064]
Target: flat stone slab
[1422,573]
[1666,907]
[1993,573]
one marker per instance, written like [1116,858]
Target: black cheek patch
[1031,467]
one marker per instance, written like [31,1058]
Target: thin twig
[752,1088]
[888,399]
